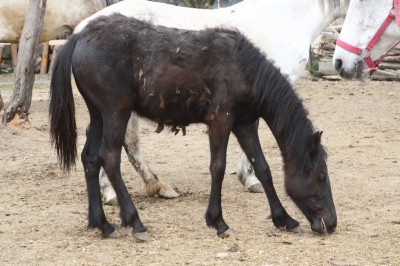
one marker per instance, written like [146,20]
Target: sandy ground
[43,212]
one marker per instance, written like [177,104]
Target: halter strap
[381,30]
[349,47]
[366,52]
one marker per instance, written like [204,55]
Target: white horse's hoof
[142,237]
[256,188]
[163,190]
[166,191]
[111,202]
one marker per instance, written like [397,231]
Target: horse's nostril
[338,64]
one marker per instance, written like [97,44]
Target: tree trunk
[21,97]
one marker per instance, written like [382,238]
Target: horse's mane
[279,104]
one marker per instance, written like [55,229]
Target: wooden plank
[14,55]
[57,42]
[332,78]
[45,58]
[386,75]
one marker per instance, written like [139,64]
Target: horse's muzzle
[355,73]
[324,225]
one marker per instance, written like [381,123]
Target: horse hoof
[228,234]
[141,236]
[111,202]
[297,230]
[126,230]
[163,190]
[114,234]
[257,188]
[168,193]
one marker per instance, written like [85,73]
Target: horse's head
[310,188]
[369,32]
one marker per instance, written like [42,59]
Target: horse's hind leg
[248,139]
[153,185]
[114,127]
[136,158]
[246,175]
[91,165]
[107,191]
[219,135]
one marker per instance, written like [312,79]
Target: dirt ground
[43,212]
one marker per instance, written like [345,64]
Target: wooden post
[45,58]
[14,55]
[53,57]
[55,45]
[1,53]
[1,103]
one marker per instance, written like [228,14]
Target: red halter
[394,13]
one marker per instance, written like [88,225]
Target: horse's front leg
[248,139]
[132,147]
[219,136]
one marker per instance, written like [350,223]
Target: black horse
[178,77]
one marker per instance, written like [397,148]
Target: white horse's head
[369,31]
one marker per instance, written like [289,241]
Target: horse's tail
[62,108]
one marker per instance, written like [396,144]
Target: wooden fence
[44,55]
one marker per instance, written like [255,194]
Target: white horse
[370,30]
[61,17]
[282,29]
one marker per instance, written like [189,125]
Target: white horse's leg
[132,147]
[247,177]
[106,189]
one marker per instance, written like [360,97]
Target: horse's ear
[315,142]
